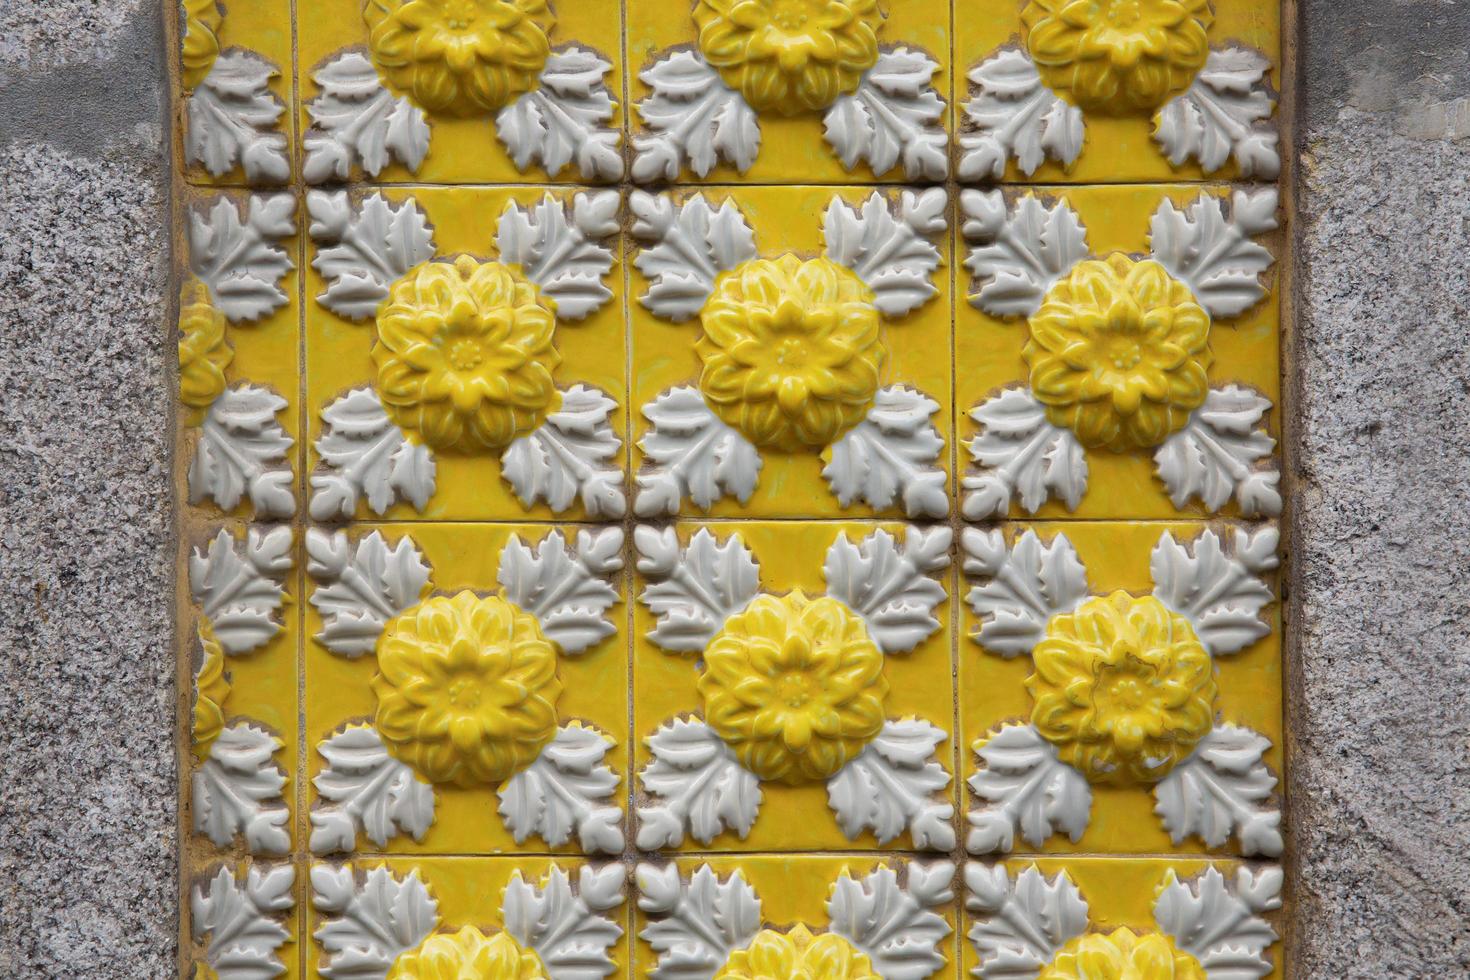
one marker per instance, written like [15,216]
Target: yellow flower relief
[211,689]
[791,351]
[1123,688]
[1122,955]
[794,686]
[201,40]
[460,57]
[1118,57]
[466,689]
[203,351]
[468,954]
[789,56]
[797,955]
[1119,353]
[465,355]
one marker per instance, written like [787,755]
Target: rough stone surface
[1381,778]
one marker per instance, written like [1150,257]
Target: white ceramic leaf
[889,246]
[360,588]
[1018,254]
[241,453]
[1020,923]
[701,788]
[566,790]
[1224,114]
[1221,594]
[1223,451]
[361,251]
[243,927]
[1016,116]
[891,456]
[686,247]
[890,788]
[564,119]
[1020,454]
[237,792]
[239,589]
[892,118]
[1223,789]
[569,590]
[569,928]
[891,588]
[365,456]
[231,120]
[564,254]
[691,453]
[572,455]
[693,590]
[366,790]
[895,926]
[357,122]
[694,120]
[1029,791]
[242,262]
[369,919]
[1025,586]
[1221,926]
[695,925]
[1214,255]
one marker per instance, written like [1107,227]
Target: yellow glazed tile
[769,915]
[713,101]
[1024,96]
[1203,913]
[1058,440]
[559,914]
[234,84]
[859,425]
[792,687]
[1206,767]
[548,443]
[391,716]
[243,915]
[375,105]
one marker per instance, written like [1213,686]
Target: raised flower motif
[797,955]
[1119,353]
[201,40]
[211,688]
[203,351]
[1118,57]
[465,355]
[468,954]
[466,689]
[460,57]
[789,56]
[791,351]
[794,686]
[1122,955]
[1123,688]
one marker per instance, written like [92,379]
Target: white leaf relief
[1016,116]
[368,919]
[238,791]
[1028,583]
[231,120]
[694,926]
[565,926]
[1214,255]
[240,591]
[566,259]
[694,120]
[567,590]
[693,590]
[242,263]
[572,455]
[244,925]
[1221,595]
[356,121]
[566,790]
[365,456]
[891,251]
[894,926]
[1223,114]
[892,589]
[362,251]
[1017,255]
[691,453]
[891,455]
[366,789]
[894,115]
[1221,789]
[1019,925]
[1219,454]
[687,247]
[890,787]
[1019,453]
[702,789]
[1028,789]
[359,589]
[564,119]
[1219,926]
[242,452]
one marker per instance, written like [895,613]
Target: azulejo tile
[1117,91]
[1120,688]
[516,91]
[1121,352]
[789,91]
[465,354]
[244,920]
[792,687]
[466,689]
[733,287]
[404,919]
[795,915]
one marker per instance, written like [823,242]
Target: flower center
[1123,14]
[790,16]
[465,694]
[465,355]
[791,352]
[1122,352]
[794,690]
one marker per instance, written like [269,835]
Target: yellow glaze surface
[211,689]
[200,42]
[468,954]
[797,953]
[204,353]
[1122,955]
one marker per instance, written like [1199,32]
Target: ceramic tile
[245,919]
[399,759]
[404,434]
[1120,688]
[792,687]
[726,430]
